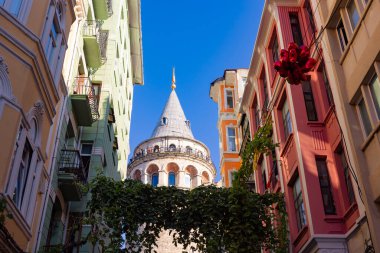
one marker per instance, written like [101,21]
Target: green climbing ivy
[207,218]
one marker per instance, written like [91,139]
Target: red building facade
[310,166]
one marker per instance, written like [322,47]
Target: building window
[324,183]
[86,151]
[310,15]
[342,35]
[363,113]
[286,121]
[2,2]
[257,116]
[171,179]
[347,178]
[298,204]
[265,90]
[296,28]
[274,48]
[189,150]
[353,14]
[231,177]
[164,121]
[15,6]
[374,86]
[231,137]
[229,99]
[326,82]
[264,174]
[22,177]
[309,101]
[172,147]
[154,179]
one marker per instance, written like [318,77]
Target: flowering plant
[294,63]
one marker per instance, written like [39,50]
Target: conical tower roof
[173,120]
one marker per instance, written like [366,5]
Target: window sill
[350,211]
[300,235]
[18,217]
[370,137]
[287,144]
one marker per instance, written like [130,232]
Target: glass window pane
[2,2]
[187,180]
[365,117]
[353,14]
[14,7]
[375,93]
[231,139]
[171,178]
[229,99]
[155,180]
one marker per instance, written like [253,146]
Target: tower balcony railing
[159,151]
[84,101]
[95,43]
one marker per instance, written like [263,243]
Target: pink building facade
[311,166]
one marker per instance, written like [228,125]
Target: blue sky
[200,38]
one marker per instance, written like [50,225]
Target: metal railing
[83,86]
[156,151]
[71,162]
[94,28]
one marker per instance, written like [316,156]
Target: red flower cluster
[294,63]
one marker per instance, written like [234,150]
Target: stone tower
[172,157]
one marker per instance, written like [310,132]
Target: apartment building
[102,63]
[33,41]
[227,91]
[312,165]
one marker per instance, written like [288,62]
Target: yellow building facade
[350,44]
[33,41]
[226,91]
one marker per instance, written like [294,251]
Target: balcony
[102,9]
[95,43]
[84,101]
[71,173]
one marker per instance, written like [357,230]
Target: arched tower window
[164,120]
[171,179]
[189,150]
[154,179]
[172,147]
[156,149]
[188,180]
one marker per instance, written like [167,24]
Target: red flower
[293,55]
[284,55]
[309,65]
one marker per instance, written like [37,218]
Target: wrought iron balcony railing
[71,162]
[83,86]
[94,28]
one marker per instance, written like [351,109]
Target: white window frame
[225,98]
[228,139]
[28,201]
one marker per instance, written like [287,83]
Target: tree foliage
[206,219]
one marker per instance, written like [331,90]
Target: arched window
[172,148]
[164,121]
[154,179]
[189,150]
[171,179]
[156,149]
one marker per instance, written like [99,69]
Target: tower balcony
[84,101]
[71,173]
[102,9]
[95,43]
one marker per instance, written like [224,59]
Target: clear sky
[200,38]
